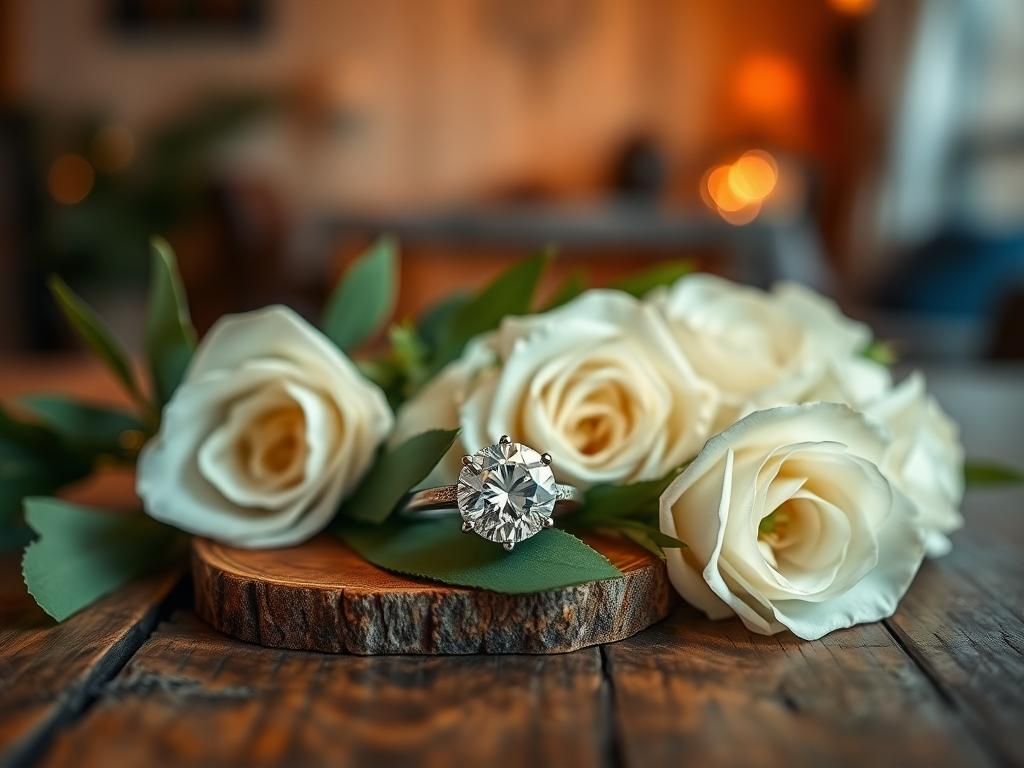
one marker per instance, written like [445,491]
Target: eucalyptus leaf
[511,293]
[83,554]
[438,550]
[641,284]
[987,473]
[170,338]
[95,429]
[365,297]
[394,473]
[97,336]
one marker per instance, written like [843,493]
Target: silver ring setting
[506,493]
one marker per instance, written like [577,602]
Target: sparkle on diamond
[507,493]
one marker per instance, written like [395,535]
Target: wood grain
[712,693]
[193,697]
[49,672]
[963,622]
[321,596]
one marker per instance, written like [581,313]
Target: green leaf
[83,554]
[650,531]
[27,445]
[20,478]
[97,336]
[396,471]
[434,326]
[609,502]
[170,338]
[409,354]
[882,352]
[364,298]
[438,550]
[641,284]
[982,473]
[95,429]
[650,538]
[570,288]
[511,293]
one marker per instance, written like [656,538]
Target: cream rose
[763,349]
[270,429]
[925,459]
[599,383]
[790,524]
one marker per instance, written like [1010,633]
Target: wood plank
[963,621]
[712,693]
[191,695]
[322,596]
[49,672]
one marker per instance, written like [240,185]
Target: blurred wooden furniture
[139,680]
[460,249]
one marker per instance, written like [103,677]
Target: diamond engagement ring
[506,493]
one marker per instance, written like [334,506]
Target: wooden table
[138,679]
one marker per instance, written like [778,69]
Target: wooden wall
[412,102]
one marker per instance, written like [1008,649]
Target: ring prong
[546,458]
[467,526]
[548,522]
[505,440]
[508,545]
[467,461]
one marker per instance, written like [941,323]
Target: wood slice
[321,596]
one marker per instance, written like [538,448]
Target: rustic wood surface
[322,596]
[140,679]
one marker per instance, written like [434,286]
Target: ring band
[443,501]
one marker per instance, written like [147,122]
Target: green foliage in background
[170,338]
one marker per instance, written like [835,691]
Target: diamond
[507,493]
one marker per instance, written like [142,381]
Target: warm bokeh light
[768,85]
[70,179]
[753,177]
[742,216]
[736,190]
[114,148]
[721,190]
[852,7]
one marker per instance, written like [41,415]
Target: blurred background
[871,148]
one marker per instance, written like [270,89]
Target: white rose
[790,524]
[925,459]
[270,429]
[763,349]
[599,383]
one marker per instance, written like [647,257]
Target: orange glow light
[768,85]
[721,192]
[742,216]
[736,190]
[853,7]
[753,177]
[70,179]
